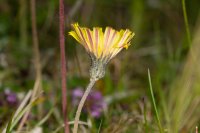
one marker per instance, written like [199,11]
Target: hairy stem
[80,106]
[63,64]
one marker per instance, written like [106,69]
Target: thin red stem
[63,64]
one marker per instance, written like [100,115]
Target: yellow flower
[101,46]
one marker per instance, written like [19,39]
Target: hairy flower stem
[63,63]
[80,106]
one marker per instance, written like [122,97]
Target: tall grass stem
[154,103]
[186,23]
[36,53]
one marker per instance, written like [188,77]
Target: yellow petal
[73,34]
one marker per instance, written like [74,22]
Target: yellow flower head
[102,46]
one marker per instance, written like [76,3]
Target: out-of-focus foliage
[160,44]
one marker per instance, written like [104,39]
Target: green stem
[154,103]
[186,23]
[80,106]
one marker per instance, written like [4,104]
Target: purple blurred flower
[76,95]
[94,104]
[10,97]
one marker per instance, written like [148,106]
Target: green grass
[186,23]
[154,103]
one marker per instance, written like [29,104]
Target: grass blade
[10,124]
[45,118]
[22,112]
[100,126]
[186,23]
[23,104]
[154,103]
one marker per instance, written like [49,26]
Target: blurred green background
[160,44]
